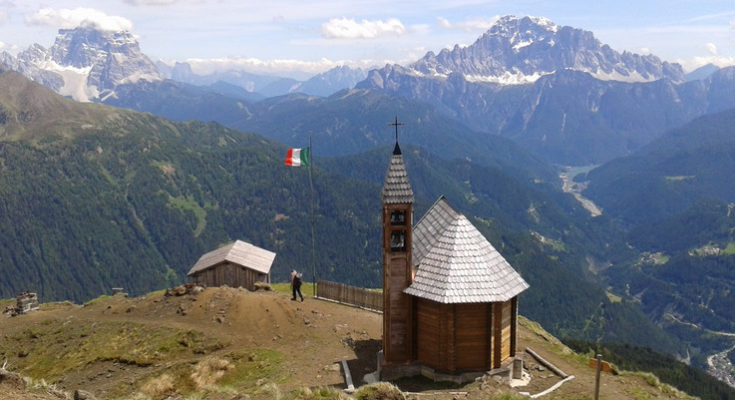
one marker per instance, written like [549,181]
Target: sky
[299,38]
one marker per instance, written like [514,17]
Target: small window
[398,240]
[398,217]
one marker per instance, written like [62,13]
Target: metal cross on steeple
[396,124]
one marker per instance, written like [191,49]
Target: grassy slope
[225,341]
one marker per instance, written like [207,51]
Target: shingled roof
[456,264]
[396,188]
[237,252]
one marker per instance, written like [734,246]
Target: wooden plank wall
[397,313]
[350,295]
[472,339]
[232,275]
[428,332]
[505,331]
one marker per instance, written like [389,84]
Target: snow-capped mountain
[85,63]
[521,50]
[556,90]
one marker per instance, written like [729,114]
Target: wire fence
[347,294]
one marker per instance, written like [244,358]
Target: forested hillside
[674,198]
[132,200]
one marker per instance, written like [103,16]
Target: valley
[576,188]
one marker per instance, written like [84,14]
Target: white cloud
[71,18]
[693,63]
[479,24]
[348,28]
[711,48]
[644,51]
[298,69]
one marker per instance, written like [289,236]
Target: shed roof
[396,188]
[237,252]
[456,264]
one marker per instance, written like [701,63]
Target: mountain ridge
[520,50]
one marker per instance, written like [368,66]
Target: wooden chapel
[450,300]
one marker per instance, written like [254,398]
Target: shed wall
[232,275]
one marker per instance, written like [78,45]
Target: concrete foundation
[391,372]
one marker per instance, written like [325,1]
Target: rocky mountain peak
[84,46]
[86,63]
[520,50]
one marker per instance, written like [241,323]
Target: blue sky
[303,37]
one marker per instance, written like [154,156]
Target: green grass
[189,204]
[98,300]
[252,366]
[613,297]
[306,288]
[51,349]
[730,249]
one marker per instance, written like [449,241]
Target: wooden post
[597,377]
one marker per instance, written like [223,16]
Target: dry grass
[320,393]
[208,371]
[159,388]
[379,391]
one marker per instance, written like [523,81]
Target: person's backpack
[297,279]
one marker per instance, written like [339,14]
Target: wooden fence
[350,295]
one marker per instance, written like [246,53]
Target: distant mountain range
[323,84]
[554,90]
[88,64]
[557,91]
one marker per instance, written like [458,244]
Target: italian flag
[298,157]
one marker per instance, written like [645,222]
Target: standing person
[296,285]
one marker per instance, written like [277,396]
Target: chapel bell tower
[397,199]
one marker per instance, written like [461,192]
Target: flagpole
[313,251]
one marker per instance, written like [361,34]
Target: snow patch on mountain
[508,78]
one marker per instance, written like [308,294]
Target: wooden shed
[450,298]
[238,264]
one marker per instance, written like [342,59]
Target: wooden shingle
[396,188]
[238,252]
[456,264]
